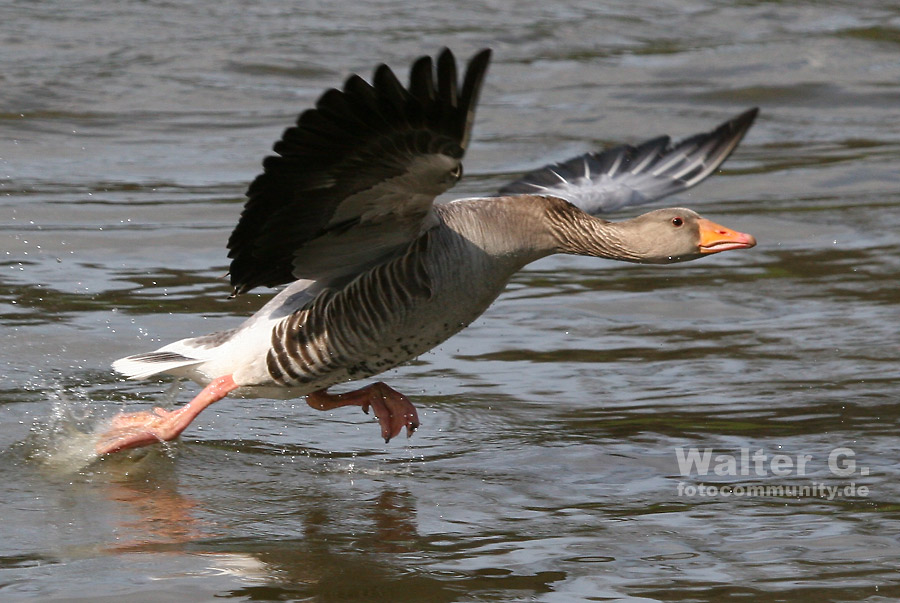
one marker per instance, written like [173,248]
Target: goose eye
[676,222]
[456,174]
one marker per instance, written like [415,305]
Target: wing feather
[632,175]
[368,156]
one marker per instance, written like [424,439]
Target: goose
[344,214]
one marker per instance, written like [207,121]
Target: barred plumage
[382,273]
[346,327]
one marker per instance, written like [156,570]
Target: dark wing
[626,175]
[356,178]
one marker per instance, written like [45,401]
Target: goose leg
[393,410]
[136,429]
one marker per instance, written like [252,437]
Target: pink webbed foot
[136,429]
[393,410]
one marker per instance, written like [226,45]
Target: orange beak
[715,238]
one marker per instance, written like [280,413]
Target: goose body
[377,274]
[385,317]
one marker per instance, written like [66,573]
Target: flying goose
[377,274]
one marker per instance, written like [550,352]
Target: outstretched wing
[626,175]
[356,178]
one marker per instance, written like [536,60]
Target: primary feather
[626,175]
[357,175]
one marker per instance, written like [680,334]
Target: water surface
[546,468]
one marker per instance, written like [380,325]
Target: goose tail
[141,366]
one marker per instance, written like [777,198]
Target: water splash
[65,440]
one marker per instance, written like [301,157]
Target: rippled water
[547,466]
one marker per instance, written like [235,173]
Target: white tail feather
[142,366]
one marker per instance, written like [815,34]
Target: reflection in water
[394,518]
[346,550]
[154,516]
[352,548]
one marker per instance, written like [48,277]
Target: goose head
[673,235]
[664,236]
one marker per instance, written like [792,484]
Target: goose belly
[421,331]
[354,336]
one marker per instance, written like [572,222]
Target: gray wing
[356,178]
[627,175]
